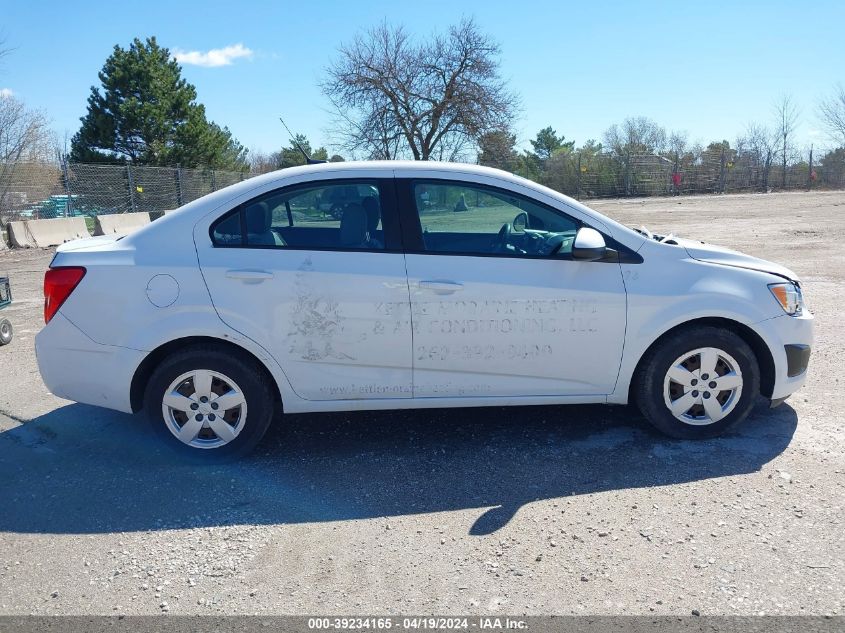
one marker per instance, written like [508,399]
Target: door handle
[249,276]
[441,287]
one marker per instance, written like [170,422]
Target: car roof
[389,167]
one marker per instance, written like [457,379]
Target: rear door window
[330,215]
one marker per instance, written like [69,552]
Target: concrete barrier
[18,236]
[121,223]
[43,233]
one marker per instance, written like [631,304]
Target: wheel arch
[152,360]
[762,353]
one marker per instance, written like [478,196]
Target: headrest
[371,206]
[258,218]
[353,226]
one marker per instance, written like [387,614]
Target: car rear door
[315,274]
[491,317]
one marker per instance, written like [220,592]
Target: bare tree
[786,121]
[4,50]
[376,135]
[261,162]
[635,137]
[24,133]
[677,147]
[678,144]
[396,97]
[24,136]
[758,148]
[832,114]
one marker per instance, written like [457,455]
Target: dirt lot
[539,510]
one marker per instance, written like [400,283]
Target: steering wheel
[555,244]
[503,238]
[336,210]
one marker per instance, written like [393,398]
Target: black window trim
[391,223]
[412,233]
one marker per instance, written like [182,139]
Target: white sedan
[425,285]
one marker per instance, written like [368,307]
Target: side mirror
[520,222]
[589,245]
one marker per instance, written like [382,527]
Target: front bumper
[76,368]
[790,340]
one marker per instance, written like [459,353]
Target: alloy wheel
[702,386]
[204,409]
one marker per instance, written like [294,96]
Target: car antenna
[308,159]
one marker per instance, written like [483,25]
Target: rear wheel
[5,332]
[209,404]
[698,382]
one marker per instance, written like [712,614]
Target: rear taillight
[58,284]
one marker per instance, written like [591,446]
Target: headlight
[789,297]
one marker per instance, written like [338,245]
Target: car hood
[719,255]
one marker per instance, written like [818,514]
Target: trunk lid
[101,242]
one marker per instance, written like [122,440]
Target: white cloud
[6,92]
[214,57]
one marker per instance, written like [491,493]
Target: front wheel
[698,382]
[208,404]
[5,332]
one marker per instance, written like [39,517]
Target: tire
[189,422]
[5,332]
[672,375]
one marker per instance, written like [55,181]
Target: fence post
[810,170]
[66,178]
[676,169]
[131,183]
[213,181]
[627,175]
[723,164]
[179,194]
[578,188]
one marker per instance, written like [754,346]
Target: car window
[478,220]
[343,215]
[227,232]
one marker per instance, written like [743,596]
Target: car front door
[499,307]
[315,274]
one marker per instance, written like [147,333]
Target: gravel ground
[524,511]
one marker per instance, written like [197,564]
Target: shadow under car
[80,469]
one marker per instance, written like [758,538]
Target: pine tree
[145,113]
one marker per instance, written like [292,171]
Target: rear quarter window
[228,230]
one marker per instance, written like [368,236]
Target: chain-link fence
[605,175]
[49,190]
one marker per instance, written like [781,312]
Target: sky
[705,67]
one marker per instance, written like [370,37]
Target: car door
[499,307]
[315,274]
